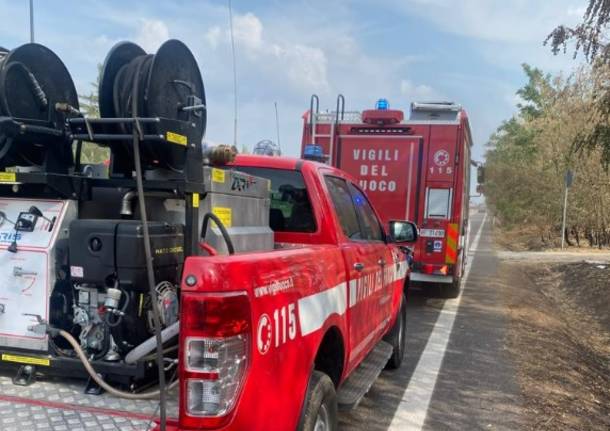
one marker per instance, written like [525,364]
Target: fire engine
[414,169]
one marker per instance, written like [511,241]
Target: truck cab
[263,334]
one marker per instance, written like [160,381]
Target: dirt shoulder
[559,340]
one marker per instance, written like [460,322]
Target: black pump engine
[108,272]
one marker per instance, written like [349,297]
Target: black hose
[135,90]
[221,226]
[37,90]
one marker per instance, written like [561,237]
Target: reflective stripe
[452,241]
[418,276]
[315,309]
[396,272]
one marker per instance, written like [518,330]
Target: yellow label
[224,214]
[8,177]
[175,138]
[195,200]
[26,360]
[218,175]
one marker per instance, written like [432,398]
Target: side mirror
[402,231]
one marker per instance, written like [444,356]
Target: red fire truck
[413,169]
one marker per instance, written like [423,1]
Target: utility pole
[31,21]
[569,178]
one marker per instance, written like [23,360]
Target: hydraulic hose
[89,368]
[137,132]
[221,226]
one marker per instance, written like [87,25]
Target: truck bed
[60,404]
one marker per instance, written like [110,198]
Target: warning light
[313,152]
[382,105]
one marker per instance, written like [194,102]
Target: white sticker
[438,246]
[77,271]
[432,233]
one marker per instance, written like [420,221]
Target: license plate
[432,233]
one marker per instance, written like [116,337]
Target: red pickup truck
[277,340]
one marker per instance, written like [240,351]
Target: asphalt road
[456,375]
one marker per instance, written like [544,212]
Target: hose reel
[32,81]
[166,86]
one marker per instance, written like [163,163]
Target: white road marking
[413,407]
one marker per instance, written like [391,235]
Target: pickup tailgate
[294,294]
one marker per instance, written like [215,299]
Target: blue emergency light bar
[382,105]
[313,152]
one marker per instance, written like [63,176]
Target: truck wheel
[451,290]
[320,409]
[396,337]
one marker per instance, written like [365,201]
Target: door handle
[381,261]
[358,266]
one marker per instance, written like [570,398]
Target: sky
[466,51]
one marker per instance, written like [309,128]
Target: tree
[89,103]
[529,153]
[590,38]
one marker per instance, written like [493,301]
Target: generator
[91,256]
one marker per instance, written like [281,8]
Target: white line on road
[413,407]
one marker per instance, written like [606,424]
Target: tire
[397,336]
[450,291]
[320,409]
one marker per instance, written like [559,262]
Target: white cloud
[278,61]
[248,31]
[496,20]
[419,93]
[151,34]
[212,36]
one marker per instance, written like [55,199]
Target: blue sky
[467,51]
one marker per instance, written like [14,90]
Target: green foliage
[89,103]
[529,154]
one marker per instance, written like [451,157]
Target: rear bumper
[427,278]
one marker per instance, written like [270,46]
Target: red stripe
[78,408]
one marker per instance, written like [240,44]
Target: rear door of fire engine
[388,168]
[364,251]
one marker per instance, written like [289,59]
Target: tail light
[435,269]
[215,341]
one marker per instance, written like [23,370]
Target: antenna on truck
[234,75]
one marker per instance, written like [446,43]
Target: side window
[344,207]
[438,202]
[371,228]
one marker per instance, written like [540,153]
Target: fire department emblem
[441,158]
[263,339]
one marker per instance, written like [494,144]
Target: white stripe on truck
[315,309]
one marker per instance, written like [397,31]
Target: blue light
[313,152]
[382,105]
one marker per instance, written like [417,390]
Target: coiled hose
[122,394]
